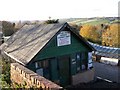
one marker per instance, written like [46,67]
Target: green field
[91,21]
[97,22]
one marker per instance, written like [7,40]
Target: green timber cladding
[54,51]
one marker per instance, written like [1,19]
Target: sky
[56,9]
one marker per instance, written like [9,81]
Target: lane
[108,72]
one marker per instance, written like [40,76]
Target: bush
[7,28]
[5,76]
[52,21]
[91,33]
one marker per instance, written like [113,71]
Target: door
[54,70]
[64,70]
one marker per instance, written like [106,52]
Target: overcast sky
[42,9]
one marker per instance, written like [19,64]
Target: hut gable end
[25,44]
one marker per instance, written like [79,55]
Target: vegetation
[7,28]
[23,86]
[52,21]
[89,28]
[5,74]
[110,36]
[107,35]
[76,27]
[91,33]
[98,22]
[5,81]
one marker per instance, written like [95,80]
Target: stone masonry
[22,75]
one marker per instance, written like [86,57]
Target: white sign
[63,38]
[90,65]
[90,60]
[89,57]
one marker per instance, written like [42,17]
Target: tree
[91,33]
[76,27]
[7,28]
[111,36]
[52,21]
[5,75]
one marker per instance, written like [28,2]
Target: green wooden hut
[54,51]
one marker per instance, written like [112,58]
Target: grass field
[97,22]
[91,21]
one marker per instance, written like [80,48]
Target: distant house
[54,51]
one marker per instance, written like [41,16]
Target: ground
[107,72]
[99,83]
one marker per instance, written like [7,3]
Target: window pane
[84,61]
[78,61]
[40,64]
[82,55]
[45,64]
[36,64]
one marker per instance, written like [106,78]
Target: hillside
[103,31]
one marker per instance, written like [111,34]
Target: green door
[64,70]
[54,70]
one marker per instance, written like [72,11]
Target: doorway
[64,70]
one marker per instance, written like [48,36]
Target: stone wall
[23,76]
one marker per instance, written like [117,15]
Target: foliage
[98,22]
[91,33]
[110,37]
[16,85]
[5,76]
[52,21]
[7,28]
[76,27]
[5,85]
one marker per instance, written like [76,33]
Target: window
[43,68]
[81,60]
[45,63]
[36,64]
[82,55]
[78,60]
[84,61]
[42,64]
